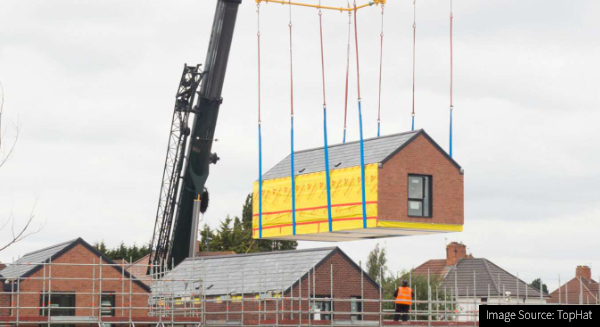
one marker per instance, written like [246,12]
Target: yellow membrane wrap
[311,202]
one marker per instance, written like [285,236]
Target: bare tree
[6,153]
[17,234]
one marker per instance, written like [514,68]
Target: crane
[183,194]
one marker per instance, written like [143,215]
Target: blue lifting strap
[327,177]
[362,166]
[293,180]
[259,182]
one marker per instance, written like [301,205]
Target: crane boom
[190,143]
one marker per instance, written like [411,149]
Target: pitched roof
[376,150]
[21,267]
[480,275]
[574,290]
[139,269]
[433,266]
[32,262]
[246,273]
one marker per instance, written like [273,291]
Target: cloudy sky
[92,84]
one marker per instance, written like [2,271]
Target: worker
[404,296]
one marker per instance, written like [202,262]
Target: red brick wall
[421,157]
[454,252]
[583,271]
[346,283]
[4,300]
[111,282]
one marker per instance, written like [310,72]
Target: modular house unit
[412,187]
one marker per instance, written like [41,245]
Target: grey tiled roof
[479,274]
[245,273]
[22,266]
[341,155]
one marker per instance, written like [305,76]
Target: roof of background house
[2,266]
[376,150]
[139,269]
[32,262]
[487,275]
[433,266]
[247,273]
[570,292]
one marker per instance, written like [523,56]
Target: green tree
[377,263]
[235,234]
[377,269]
[206,238]
[536,284]
[123,251]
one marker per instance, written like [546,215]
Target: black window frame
[320,299]
[359,307]
[428,195]
[53,310]
[112,298]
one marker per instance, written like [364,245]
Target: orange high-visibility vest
[404,295]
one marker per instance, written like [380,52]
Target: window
[55,301]
[321,304]
[419,196]
[107,304]
[355,306]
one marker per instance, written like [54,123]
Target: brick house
[474,281]
[4,297]
[275,282]
[411,187]
[69,275]
[582,289]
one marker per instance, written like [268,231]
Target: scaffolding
[188,301]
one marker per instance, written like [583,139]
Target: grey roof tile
[22,266]
[247,274]
[479,274]
[343,155]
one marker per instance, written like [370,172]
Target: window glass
[415,208]
[415,187]
[355,307]
[56,301]
[426,196]
[419,196]
[108,303]
[320,306]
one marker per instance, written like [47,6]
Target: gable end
[431,141]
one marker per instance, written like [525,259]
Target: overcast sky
[92,85]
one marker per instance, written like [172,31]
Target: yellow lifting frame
[283,2]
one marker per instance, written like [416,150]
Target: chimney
[454,252]
[583,271]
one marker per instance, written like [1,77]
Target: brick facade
[4,300]
[82,280]
[422,157]
[346,284]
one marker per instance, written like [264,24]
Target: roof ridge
[364,140]
[487,268]
[237,255]
[526,284]
[50,247]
